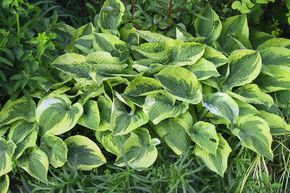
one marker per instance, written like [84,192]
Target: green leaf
[203,69]
[173,132]
[244,67]
[155,51]
[35,163]
[112,143]
[181,84]
[204,134]
[208,25]
[7,149]
[105,107]
[19,109]
[106,42]
[24,135]
[218,162]
[91,115]
[4,184]
[277,124]
[84,153]
[275,56]
[140,150]
[214,56]
[142,86]
[185,53]
[246,109]
[123,122]
[254,133]
[55,149]
[251,93]
[278,81]
[275,42]
[153,37]
[48,115]
[222,105]
[110,16]
[235,33]
[161,106]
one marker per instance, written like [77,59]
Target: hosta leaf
[55,149]
[185,53]
[110,16]
[275,42]
[24,135]
[275,56]
[13,110]
[112,143]
[161,106]
[203,69]
[4,184]
[280,79]
[105,107]
[221,104]
[154,51]
[283,100]
[277,124]
[244,67]
[218,162]
[142,86]
[251,93]
[181,84]
[91,115]
[35,163]
[173,132]
[7,149]
[48,115]
[106,42]
[84,153]
[209,25]
[246,109]
[140,150]
[235,31]
[123,122]
[254,133]
[214,56]
[152,37]
[204,134]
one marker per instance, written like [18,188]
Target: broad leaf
[83,153]
[254,133]
[142,86]
[246,109]
[19,109]
[161,106]
[221,104]
[7,149]
[181,84]
[244,67]
[251,93]
[35,163]
[214,56]
[275,56]
[208,25]
[123,122]
[235,33]
[56,115]
[185,53]
[154,51]
[140,150]
[277,124]
[173,132]
[24,135]
[204,134]
[91,115]
[4,184]
[204,69]
[275,42]
[110,16]
[55,149]
[218,162]
[153,37]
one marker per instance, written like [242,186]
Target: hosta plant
[120,93]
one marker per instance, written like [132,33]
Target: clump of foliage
[118,92]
